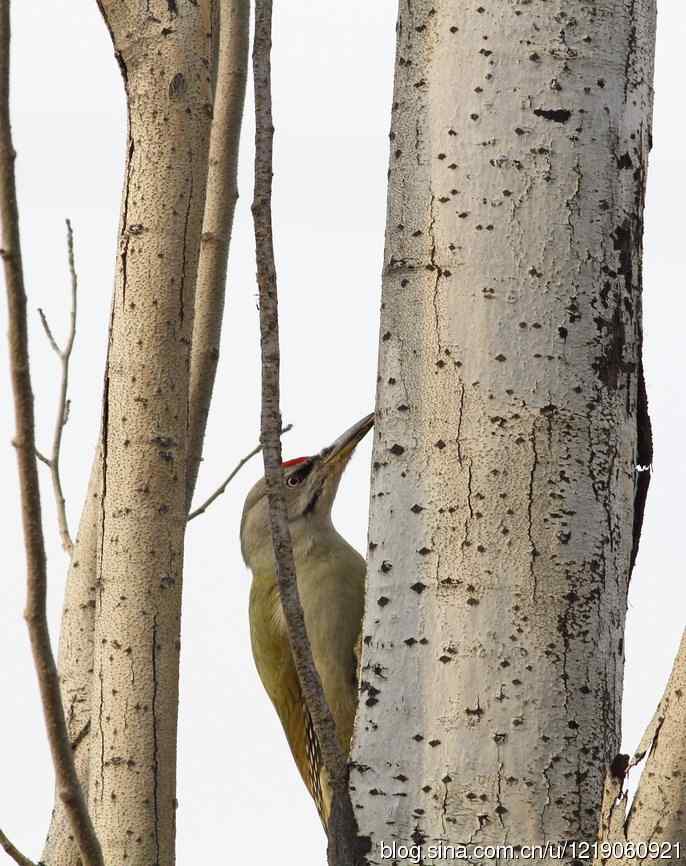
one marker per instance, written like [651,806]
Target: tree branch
[48,333]
[342,828]
[75,658]
[218,492]
[36,619]
[220,204]
[64,355]
[13,852]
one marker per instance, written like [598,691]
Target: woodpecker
[330,575]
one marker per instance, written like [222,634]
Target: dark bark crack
[183,250]
[459,427]
[529,507]
[124,222]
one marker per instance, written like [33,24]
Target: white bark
[162,50]
[508,416]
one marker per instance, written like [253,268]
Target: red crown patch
[295,461]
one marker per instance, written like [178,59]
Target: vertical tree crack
[500,809]
[529,507]
[631,49]
[99,582]
[183,249]
[436,269]
[102,737]
[608,499]
[124,222]
[459,426]
[570,203]
[444,810]
[548,789]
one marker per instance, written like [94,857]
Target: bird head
[310,488]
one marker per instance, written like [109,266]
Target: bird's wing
[317,783]
[276,668]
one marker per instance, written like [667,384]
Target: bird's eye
[298,475]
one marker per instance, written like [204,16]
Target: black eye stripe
[300,474]
[312,504]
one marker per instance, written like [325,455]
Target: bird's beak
[343,447]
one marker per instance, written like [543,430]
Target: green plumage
[331,584]
[331,579]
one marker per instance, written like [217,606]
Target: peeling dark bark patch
[177,86]
[624,161]
[622,242]
[610,364]
[557,115]
[619,766]
[644,467]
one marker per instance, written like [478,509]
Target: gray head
[310,486]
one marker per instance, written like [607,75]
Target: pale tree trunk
[658,813]
[511,417]
[229,69]
[163,54]
[75,659]
[222,195]
[659,808]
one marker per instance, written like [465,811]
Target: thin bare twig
[48,333]
[43,458]
[13,852]
[53,462]
[341,829]
[68,786]
[218,492]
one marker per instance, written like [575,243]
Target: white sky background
[239,793]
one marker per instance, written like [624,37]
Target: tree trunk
[510,421]
[229,68]
[658,811]
[75,660]
[222,195]
[162,51]
[655,828]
